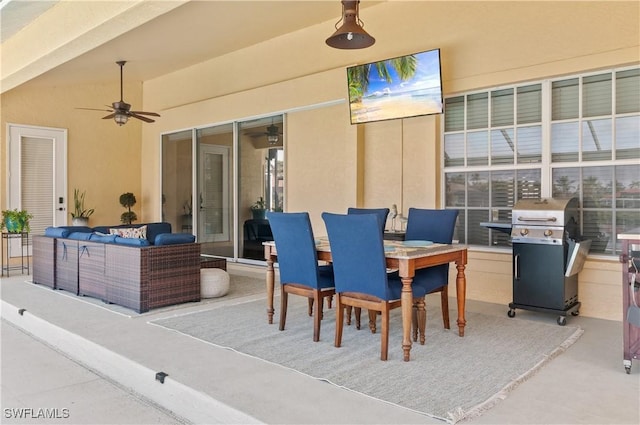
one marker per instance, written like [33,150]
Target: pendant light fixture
[351,35]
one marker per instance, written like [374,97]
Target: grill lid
[544,221]
[545,211]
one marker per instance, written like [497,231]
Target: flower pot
[13,225]
[80,221]
[259,213]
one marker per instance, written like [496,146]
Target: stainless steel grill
[545,221]
[547,256]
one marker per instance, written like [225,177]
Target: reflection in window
[177,189]
[529,144]
[454,149]
[628,137]
[564,142]
[596,140]
[502,188]
[502,146]
[478,194]
[566,182]
[455,187]
[477,148]
[627,179]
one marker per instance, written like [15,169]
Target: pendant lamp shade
[351,35]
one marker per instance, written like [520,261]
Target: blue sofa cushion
[79,236]
[155,229]
[95,237]
[56,232]
[65,231]
[118,240]
[174,238]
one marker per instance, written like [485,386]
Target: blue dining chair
[360,272]
[382,214]
[300,273]
[436,226]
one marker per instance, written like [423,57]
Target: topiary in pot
[128,200]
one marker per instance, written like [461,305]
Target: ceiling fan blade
[109,116]
[153,114]
[140,117]
[94,109]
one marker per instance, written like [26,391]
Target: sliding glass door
[260,144]
[218,182]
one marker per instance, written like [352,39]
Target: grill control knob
[548,232]
[524,232]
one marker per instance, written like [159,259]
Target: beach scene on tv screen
[395,88]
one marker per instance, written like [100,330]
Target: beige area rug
[239,286]
[450,378]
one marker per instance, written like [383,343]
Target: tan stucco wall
[331,164]
[103,159]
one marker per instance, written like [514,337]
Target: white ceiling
[189,34]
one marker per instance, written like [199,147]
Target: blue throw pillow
[174,238]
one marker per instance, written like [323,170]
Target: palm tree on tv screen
[358,76]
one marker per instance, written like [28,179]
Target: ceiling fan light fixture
[121,119]
[272,139]
[351,35]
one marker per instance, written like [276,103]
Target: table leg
[270,287]
[461,289]
[406,301]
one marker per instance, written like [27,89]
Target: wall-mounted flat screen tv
[402,87]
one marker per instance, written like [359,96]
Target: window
[506,144]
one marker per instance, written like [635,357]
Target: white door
[213,184]
[37,165]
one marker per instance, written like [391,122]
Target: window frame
[546,165]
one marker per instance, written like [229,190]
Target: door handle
[516,267]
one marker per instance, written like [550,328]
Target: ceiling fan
[273,134]
[121,111]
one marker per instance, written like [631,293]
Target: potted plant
[128,200]
[80,215]
[16,221]
[259,209]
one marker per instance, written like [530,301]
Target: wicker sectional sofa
[158,270]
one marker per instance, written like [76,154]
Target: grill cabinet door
[538,275]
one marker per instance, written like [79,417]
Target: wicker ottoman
[213,283]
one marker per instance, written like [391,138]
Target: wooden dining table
[404,256]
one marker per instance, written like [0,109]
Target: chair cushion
[431,278]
